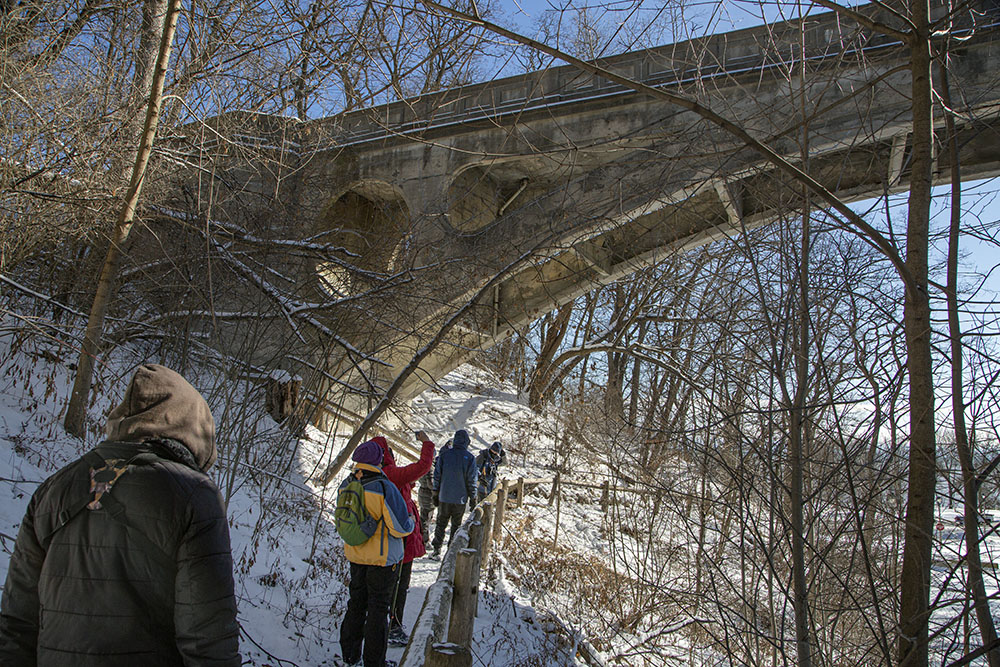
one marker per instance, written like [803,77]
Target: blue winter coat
[455,474]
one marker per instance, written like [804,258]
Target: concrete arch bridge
[488,205]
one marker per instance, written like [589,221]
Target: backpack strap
[95,461]
[374,477]
[103,475]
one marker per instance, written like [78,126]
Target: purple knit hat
[369,452]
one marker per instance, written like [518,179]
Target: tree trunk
[635,381]
[914,593]
[970,480]
[796,437]
[797,431]
[76,411]
[553,333]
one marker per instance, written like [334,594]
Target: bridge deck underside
[699,213]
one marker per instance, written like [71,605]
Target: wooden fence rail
[442,635]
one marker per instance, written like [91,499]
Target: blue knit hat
[368,452]
[461,438]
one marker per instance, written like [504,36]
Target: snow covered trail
[425,572]
[289,565]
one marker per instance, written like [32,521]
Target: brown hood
[159,403]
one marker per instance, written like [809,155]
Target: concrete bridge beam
[560,182]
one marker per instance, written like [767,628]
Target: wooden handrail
[439,638]
[432,623]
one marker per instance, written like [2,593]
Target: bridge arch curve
[480,192]
[367,220]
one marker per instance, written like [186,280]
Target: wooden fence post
[477,535]
[555,489]
[464,598]
[498,516]
[487,533]
[520,492]
[448,655]
[605,495]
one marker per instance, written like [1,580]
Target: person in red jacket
[404,477]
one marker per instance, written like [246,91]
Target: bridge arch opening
[479,194]
[368,222]
[473,199]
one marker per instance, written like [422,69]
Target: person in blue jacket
[455,479]
[374,564]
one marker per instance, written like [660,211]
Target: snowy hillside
[290,570]
[564,568]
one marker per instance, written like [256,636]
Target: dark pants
[367,614]
[447,513]
[425,516]
[399,594]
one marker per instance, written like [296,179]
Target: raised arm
[400,475]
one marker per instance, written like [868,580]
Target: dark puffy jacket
[157,590]
[455,475]
[104,597]
[487,464]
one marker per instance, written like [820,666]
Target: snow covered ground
[289,566]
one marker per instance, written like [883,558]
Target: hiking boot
[389,663]
[343,663]
[398,636]
[436,554]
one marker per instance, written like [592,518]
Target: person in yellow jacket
[364,632]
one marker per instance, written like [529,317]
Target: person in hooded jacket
[404,477]
[134,570]
[374,563]
[487,462]
[455,479]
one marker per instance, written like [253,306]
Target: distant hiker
[123,556]
[413,546]
[487,462]
[454,486]
[425,502]
[374,563]
[426,499]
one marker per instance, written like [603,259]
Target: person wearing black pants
[455,479]
[448,514]
[398,604]
[364,632]
[404,477]
[364,623]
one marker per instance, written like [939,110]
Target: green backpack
[354,524]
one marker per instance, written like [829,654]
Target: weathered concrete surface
[549,184]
